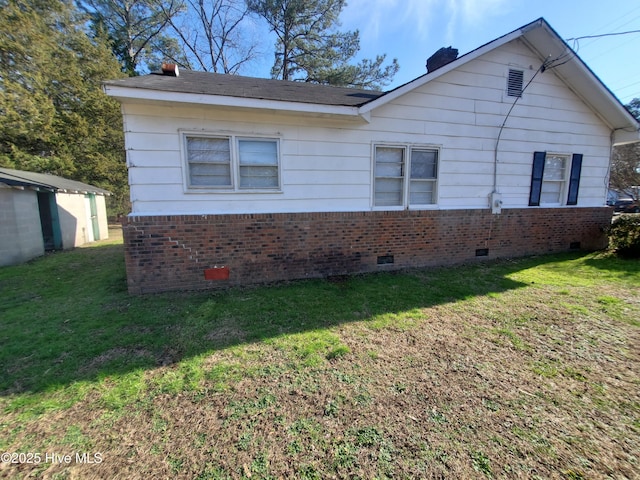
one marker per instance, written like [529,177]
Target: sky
[412,30]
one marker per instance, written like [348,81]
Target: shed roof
[48,182]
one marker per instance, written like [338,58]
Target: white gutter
[128,93]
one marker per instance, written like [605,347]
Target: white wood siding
[326,165]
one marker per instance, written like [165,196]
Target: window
[553,179]
[515,83]
[258,163]
[389,176]
[392,185]
[209,162]
[549,181]
[216,162]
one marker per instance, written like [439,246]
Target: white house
[503,151]
[41,212]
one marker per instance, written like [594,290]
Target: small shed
[41,212]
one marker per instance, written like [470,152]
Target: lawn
[527,368]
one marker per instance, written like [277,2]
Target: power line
[602,35]
[621,17]
[628,86]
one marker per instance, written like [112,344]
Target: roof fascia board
[418,82]
[128,93]
[622,137]
[20,181]
[586,74]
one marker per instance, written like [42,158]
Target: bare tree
[214,36]
[625,164]
[134,27]
[625,170]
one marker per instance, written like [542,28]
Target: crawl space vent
[385,260]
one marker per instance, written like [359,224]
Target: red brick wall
[173,252]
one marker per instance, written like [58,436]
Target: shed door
[49,221]
[92,217]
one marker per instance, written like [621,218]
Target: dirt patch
[226,335]
[115,355]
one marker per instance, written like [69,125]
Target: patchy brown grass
[541,381]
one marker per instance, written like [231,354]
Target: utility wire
[576,40]
[548,64]
[603,35]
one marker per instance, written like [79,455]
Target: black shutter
[574,179]
[536,178]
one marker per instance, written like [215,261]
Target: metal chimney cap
[170,70]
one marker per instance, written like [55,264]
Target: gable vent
[515,82]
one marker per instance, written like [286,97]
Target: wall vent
[574,246]
[482,252]
[515,83]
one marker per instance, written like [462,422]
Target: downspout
[608,175]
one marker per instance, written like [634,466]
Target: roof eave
[576,74]
[546,42]
[130,94]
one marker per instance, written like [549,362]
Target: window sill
[413,207]
[230,191]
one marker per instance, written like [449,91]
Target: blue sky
[411,30]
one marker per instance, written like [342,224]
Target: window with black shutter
[549,182]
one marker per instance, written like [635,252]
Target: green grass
[456,372]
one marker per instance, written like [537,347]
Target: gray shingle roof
[247,87]
[45,181]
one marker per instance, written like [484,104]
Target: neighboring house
[40,212]
[501,152]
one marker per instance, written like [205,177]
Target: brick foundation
[173,252]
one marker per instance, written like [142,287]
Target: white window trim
[406,181]
[564,182]
[233,138]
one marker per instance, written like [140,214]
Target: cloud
[473,11]
[375,18]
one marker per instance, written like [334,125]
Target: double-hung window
[231,163]
[258,159]
[209,162]
[554,178]
[405,176]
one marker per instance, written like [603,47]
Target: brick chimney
[441,58]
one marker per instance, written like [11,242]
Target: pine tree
[135,29]
[309,48]
[56,118]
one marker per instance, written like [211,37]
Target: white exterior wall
[20,230]
[74,214]
[73,222]
[326,164]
